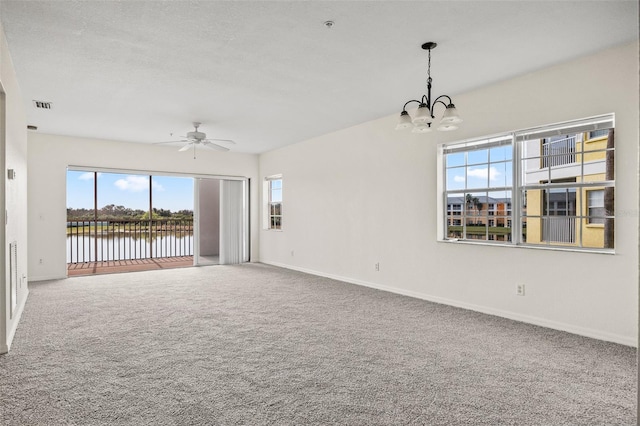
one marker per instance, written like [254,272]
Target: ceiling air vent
[42,104]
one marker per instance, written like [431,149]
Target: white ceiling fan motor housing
[196,135]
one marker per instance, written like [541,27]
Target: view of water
[81,248]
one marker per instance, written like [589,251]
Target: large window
[273,197]
[547,186]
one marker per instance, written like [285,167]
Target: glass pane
[560,150]
[455,178]
[596,198]
[276,222]
[501,174]
[500,153]
[478,176]
[79,195]
[455,206]
[121,195]
[499,203]
[558,202]
[473,204]
[173,196]
[559,230]
[478,157]
[456,159]
[276,195]
[476,231]
[500,228]
[276,184]
[531,166]
[454,227]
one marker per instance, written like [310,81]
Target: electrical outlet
[41,261]
[292,253]
[519,289]
[378,267]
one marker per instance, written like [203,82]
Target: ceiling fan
[197,138]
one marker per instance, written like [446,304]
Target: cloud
[87,176]
[458,178]
[136,184]
[482,173]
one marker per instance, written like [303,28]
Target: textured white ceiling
[269,73]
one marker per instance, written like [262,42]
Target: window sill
[530,246]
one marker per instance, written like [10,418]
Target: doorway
[221,218]
[128,221]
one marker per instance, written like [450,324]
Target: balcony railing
[559,152]
[559,229]
[123,239]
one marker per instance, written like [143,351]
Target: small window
[273,205]
[598,133]
[595,206]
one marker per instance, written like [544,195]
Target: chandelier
[423,118]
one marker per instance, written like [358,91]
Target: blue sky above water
[129,190]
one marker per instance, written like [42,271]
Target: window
[539,187]
[598,133]
[273,207]
[479,177]
[595,206]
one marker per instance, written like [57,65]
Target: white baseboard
[46,278]
[570,328]
[14,322]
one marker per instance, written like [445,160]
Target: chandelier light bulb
[422,115]
[421,128]
[405,121]
[451,115]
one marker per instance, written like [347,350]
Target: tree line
[111,211]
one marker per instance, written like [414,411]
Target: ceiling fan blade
[186,147]
[161,143]
[222,140]
[214,146]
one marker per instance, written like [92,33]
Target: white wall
[49,157]
[13,155]
[368,194]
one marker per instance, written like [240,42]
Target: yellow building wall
[534,224]
[592,234]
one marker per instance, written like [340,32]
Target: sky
[485,168]
[128,190]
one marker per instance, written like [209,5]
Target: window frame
[515,212]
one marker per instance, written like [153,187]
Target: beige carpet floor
[259,345]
